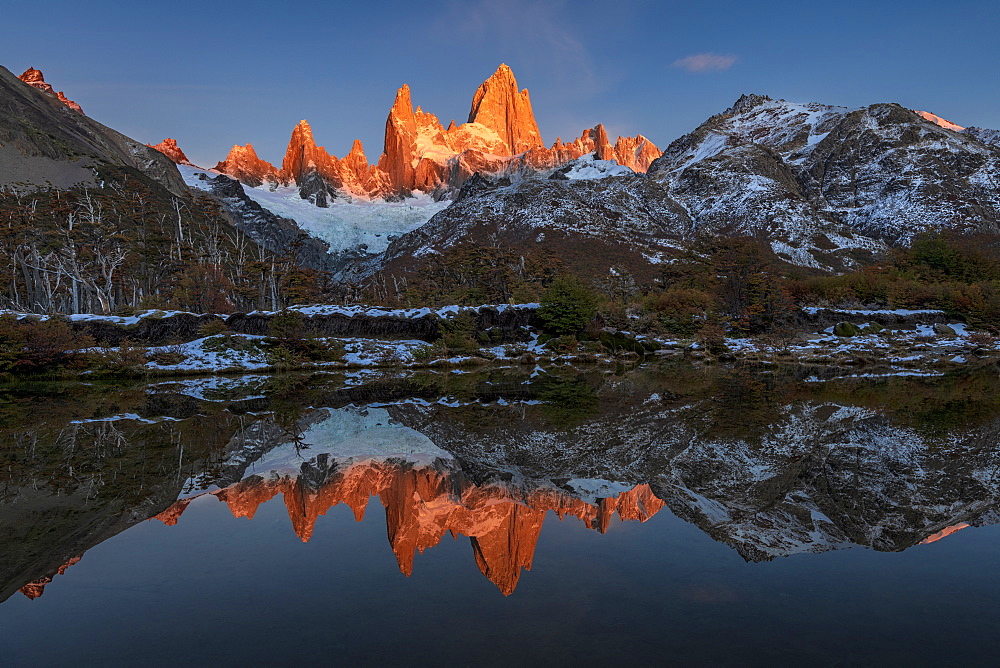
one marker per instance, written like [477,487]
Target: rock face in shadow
[269,230]
[504,326]
[47,144]
[124,472]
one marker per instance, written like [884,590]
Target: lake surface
[664,514]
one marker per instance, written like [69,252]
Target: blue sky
[212,74]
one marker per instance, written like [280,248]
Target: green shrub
[458,332]
[567,306]
[287,325]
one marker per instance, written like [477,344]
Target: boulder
[846,329]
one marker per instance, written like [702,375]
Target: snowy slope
[344,224]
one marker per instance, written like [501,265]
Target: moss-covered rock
[846,329]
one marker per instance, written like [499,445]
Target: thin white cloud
[706,62]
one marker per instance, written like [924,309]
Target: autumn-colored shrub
[33,345]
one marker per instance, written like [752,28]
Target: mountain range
[828,187]
[421,155]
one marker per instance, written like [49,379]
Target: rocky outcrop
[984,135]
[36,79]
[243,165]
[637,153]
[275,233]
[400,143]
[169,148]
[304,159]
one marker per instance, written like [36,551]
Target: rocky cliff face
[499,106]
[36,79]
[44,143]
[243,165]
[270,231]
[169,148]
[824,184]
[422,155]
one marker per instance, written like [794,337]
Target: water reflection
[769,465]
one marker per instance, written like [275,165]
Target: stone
[499,106]
[941,329]
[846,329]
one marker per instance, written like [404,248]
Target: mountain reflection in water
[425,502]
[766,464]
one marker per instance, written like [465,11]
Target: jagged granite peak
[422,155]
[36,79]
[602,147]
[400,143]
[169,148]
[499,106]
[45,144]
[637,153]
[304,161]
[243,165]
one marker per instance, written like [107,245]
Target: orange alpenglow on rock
[397,161]
[425,503]
[421,155]
[35,79]
[499,106]
[169,148]
[243,165]
[943,122]
[636,153]
[36,588]
[943,533]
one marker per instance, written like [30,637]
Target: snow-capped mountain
[825,185]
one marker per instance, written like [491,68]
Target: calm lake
[665,513]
